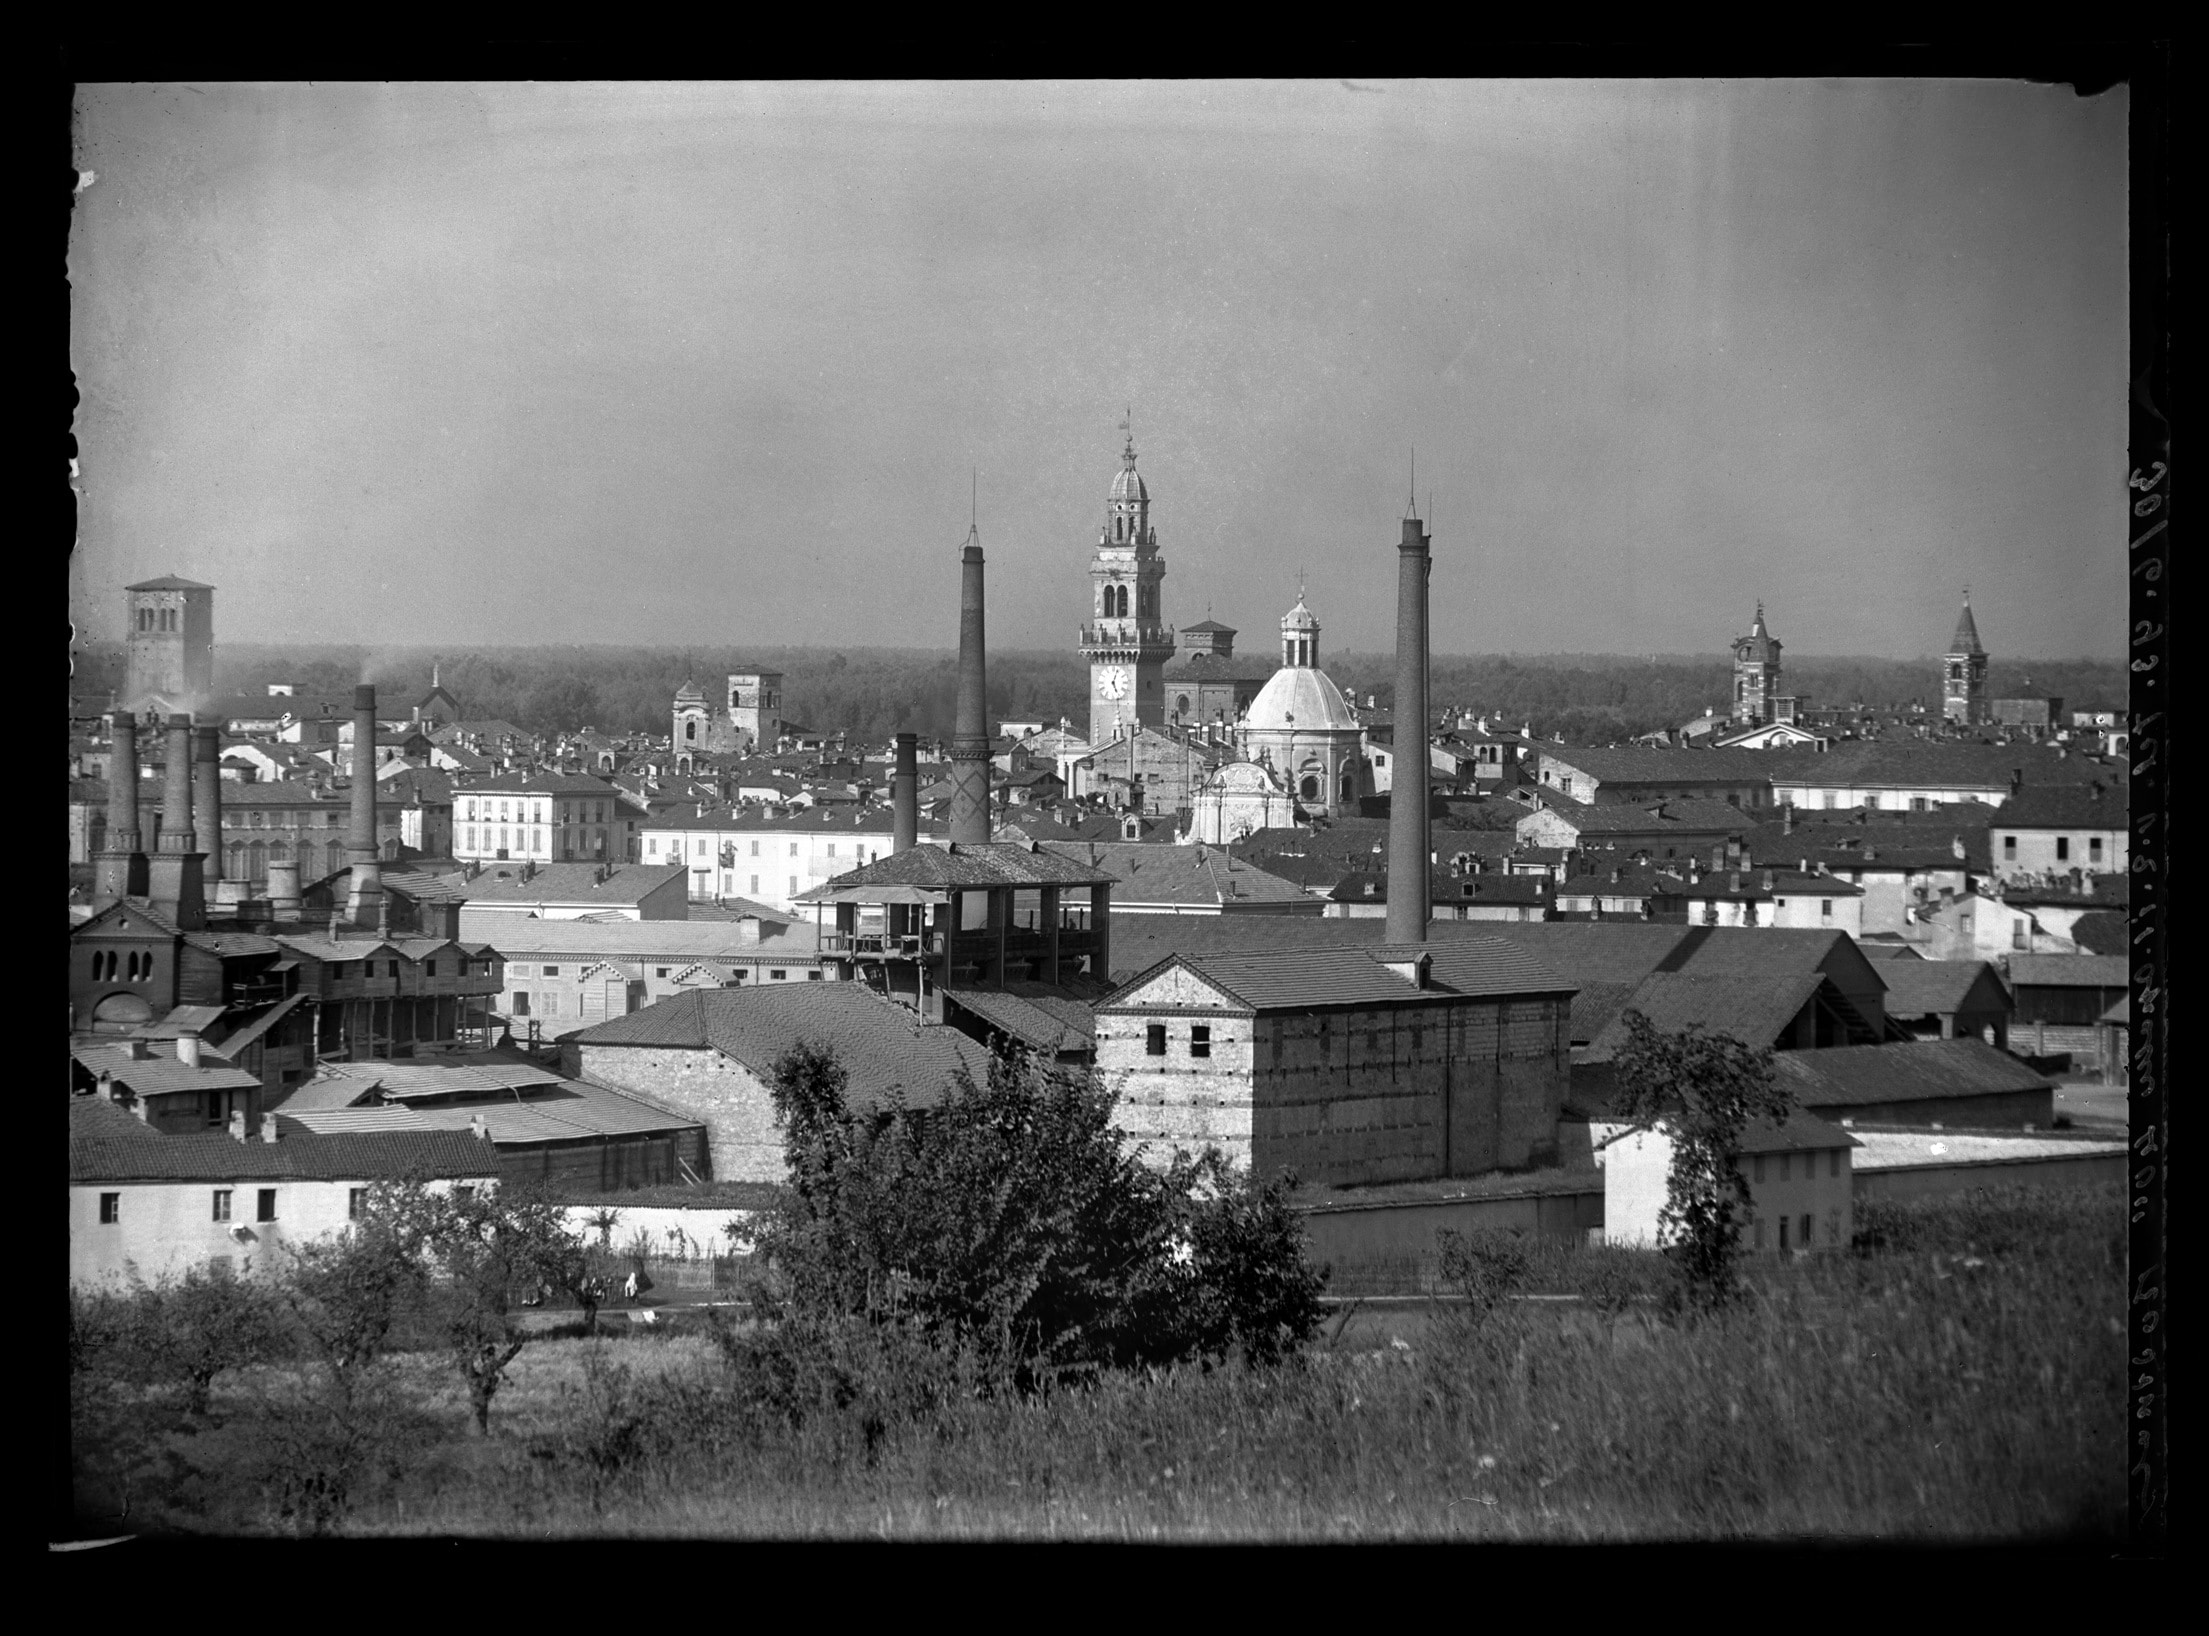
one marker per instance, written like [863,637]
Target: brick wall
[743,1141]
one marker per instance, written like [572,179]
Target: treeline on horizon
[874,692]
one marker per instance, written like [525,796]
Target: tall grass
[1961,1378]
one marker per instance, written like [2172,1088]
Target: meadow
[1957,1375]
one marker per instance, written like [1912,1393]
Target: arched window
[278,852]
[333,857]
[1309,788]
[690,730]
[256,861]
[1349,786]
[119,1012]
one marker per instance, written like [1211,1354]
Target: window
[1825,908]
[1918,803]
[111,1209]
[518,1002]
[463,1192]
[2017,934]
[1758,1165]
[265,1207]
[1833,1163]
[778,975]
[793,886]
[2094,849]
[2009,849]
[832,849]
[1280,1036]
[550,1005]
[1783,1232]
[2063,848]
[552,971]
[222,1204]
[1806,1221]
[1418,1036]
[755,883]
[215,1110]
[813,977]
[659,971]
[1154,1040]
[1200,1041]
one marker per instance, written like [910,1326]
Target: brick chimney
[1410,830]
[970,745]
[122,861]
[362,861]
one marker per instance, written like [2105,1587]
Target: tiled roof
[541,784]
[758,821]
[1195,875]
[1918,1070]
[1905,1149]
[572,1110]
[107,1144]
[2069,971]
[1607,818]
[1917,988]
[520,937]
[1640,765]
[1037,1015]
[1312,978]
[2063,806]
[1800,1132]
[1922,762]
[405,1081]
[160,1074]
[1753,1009]
[571,883]
[939,868]
[881,1045]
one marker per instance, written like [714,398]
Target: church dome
[1128,484]
[1308,695]
[1300,618]
[689,694]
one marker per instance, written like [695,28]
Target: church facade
[753,716]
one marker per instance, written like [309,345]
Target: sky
[693,363]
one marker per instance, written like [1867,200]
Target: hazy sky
[711,363]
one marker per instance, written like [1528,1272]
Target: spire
[1966,639]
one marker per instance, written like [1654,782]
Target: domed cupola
[1300,636]
[1128,507]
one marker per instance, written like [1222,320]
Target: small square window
[778,975]
[111,1209]
[2094,849]
[265,1208]
[1200,1041]
[552,971]
[2009,848]
[813,977]
[1154,1040]
[659,971]
[222,1204]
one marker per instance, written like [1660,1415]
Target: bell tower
[1126,638]
[1964,672]
[1756,687]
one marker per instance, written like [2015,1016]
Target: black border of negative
[2148,508]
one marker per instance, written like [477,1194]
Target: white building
[1238,799]
[768,856]
[566,818]
[1799,1176]
[143,1204]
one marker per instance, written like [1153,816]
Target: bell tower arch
[1126,638]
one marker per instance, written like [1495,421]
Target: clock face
[1114,682]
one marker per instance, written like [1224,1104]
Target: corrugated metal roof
[160,1074]
[328,1121]
[573,1110]
[1927,1070]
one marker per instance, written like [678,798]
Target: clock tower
[1126,639]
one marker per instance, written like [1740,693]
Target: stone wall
[743,1140]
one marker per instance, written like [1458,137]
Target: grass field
[1962,1380]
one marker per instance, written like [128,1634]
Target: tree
[493,1248]
[1010,1219]
[1705,1088]
[192,1327]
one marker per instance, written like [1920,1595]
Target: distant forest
[874,692]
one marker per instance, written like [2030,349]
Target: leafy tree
[192,1327]
[345,1294]
[1706,1088]
[1010,1219]
[492,1250]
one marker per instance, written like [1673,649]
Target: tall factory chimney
[1409,839]
[970,731]
[173,879]
[366,878]
[905,797]
[121,870]
[207,813]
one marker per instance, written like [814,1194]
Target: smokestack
[905,797]
[366,883]
[122,862]
[284,901]
[1409,834]
[173,879]
[970,732]
[207,798]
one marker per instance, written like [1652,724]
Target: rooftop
[107,1144]
[624,883]
[2070,971]
[1917,1070]
[1316,978]
[882,1046]
[931,869]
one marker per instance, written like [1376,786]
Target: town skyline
[548,348]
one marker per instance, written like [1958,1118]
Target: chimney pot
[237,1124]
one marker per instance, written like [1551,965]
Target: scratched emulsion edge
[2147,501]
